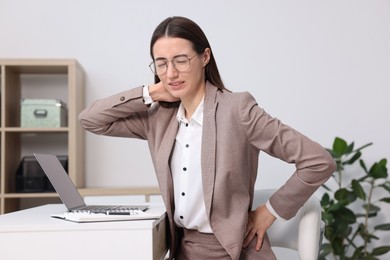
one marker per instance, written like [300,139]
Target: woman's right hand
[159,93]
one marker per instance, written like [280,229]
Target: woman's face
[184,84]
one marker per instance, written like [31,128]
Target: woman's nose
[171,70]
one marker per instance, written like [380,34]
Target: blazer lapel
[164,177]
[208,151]
[163,156]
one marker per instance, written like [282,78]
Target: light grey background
[320,66]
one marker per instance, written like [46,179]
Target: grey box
[43,113]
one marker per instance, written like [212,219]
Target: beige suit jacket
[235,130]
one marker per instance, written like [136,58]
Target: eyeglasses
[180,63]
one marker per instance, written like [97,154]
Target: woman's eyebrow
[179,55]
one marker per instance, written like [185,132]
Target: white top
[190,209]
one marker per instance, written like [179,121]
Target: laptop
[70,196]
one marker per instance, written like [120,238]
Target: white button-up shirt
[190,209]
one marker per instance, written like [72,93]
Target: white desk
[33,234]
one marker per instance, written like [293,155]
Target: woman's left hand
[259,221]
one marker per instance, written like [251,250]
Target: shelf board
[30,195]
[39,65]
[90,192]
[36,129]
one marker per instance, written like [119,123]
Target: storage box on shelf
[43,113]
[38,79]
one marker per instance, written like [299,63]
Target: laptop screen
[60,180]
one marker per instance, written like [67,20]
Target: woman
[205,143]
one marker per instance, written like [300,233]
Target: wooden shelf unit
[14,77]
[38,78]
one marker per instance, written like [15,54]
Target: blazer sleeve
[122,115]
[313,163]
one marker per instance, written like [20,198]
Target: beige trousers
[200,246]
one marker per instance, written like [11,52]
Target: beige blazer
[235,130]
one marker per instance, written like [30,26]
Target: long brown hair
[181,27]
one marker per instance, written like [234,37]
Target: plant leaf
[327,218]
[345,196]
[336,206]
[358,190]
[382,227]
[387,200]
[363,178]
[345,215]
[378,170]
[364,146]
[366,257]
[326,249]
[374,237]
[339,146]
[360,215]
[363,165]
[357,252]
[325,200]
[380,250]
[355,157]
[349,148]
[332,153]
[341,194]
[337,245]
[386,186]
[372,209]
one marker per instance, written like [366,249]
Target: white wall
[320,66]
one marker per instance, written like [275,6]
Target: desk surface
[33,234]
[38,218]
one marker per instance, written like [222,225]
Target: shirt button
[181,217]
[184,168]
[183,193]
[122,98]
[187,145]
[186,124]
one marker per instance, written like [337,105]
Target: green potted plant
[352,210]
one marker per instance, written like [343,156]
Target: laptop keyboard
[110,209]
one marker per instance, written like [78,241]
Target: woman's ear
[206,56]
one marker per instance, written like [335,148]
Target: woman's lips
[176,85]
